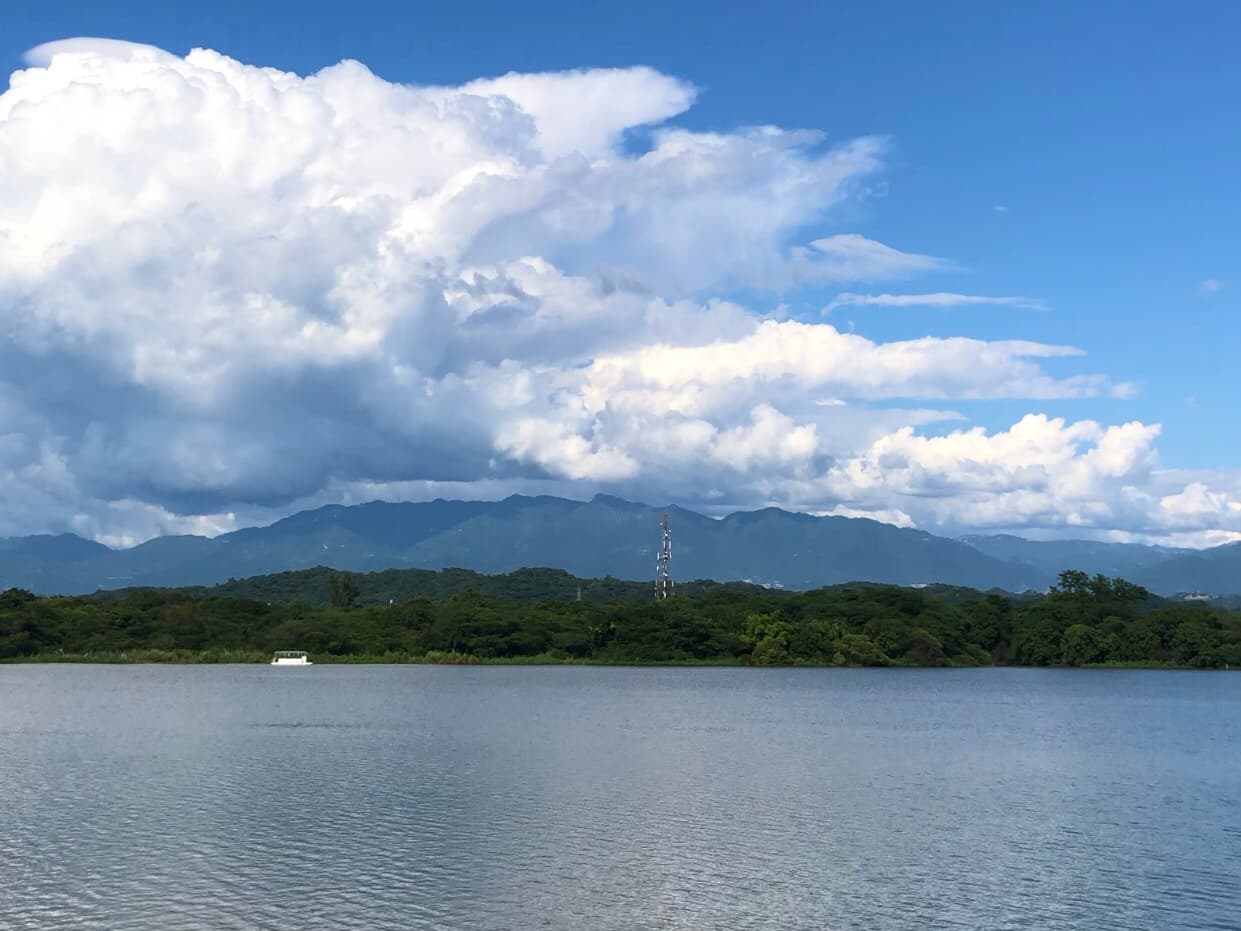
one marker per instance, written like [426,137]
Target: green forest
[545,616]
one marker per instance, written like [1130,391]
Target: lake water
[376,797]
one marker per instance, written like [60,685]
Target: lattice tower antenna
[663,566]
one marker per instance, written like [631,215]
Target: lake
[377,797]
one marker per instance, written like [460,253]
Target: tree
[924,648]
[988,621]
[769,638]
[1080,645]
[342,590]
[814,639]
[860,650]
[12,598]
[1195,644]
[1142,640]
[1036,641]
[1072,582]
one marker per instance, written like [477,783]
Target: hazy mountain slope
[1092,556]
[390,526]
[61,547]
[603,537]
[611,536]
[1214,571]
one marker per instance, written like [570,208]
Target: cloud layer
[227,291]
[936,299]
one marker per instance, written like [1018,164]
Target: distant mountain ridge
[605,536]
[1051,556]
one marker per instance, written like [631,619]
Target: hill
[1083,620]
[313,587]
[603,537]
[1127,560]
[1216,570]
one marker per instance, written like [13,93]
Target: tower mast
[663,567]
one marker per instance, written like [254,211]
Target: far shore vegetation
[542,617]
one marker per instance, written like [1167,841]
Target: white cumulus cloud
[228,291]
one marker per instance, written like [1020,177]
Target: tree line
[323,586]
[1083,620]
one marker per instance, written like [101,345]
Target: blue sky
[1081,154]
[1103,130]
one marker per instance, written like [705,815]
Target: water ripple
[193,798]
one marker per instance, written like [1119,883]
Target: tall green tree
[342,590]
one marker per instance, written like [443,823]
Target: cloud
[1210,286]
[1193,539]
[936,299]
[893,516]
[41,55]
[585,112]
[1066,461]
[1196,505]
[230,291]
[851,257]
[1042,472]
[774,356]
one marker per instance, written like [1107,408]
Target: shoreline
[246,658]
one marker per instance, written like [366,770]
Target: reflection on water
[142,797]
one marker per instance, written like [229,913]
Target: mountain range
[605,536]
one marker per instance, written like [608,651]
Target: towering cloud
[227,289]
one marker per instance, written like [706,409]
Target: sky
[969,267]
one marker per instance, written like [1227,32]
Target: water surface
[385,797]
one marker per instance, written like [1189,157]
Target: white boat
[291,658]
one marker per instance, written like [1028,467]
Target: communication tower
[663,566]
